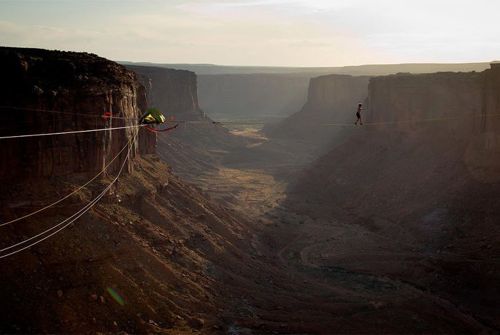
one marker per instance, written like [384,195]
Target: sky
[259,32]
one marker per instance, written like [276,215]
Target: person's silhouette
[358,114]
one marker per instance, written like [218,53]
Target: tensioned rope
[70,194]
[242,122]
[71,132]
[122,117]
[377,123]
[66,222]
[229,122]
[60,112]
[249,122]
[435,119]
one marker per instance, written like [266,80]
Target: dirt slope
[415,206]
[157,242]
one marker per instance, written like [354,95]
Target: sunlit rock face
[78,88]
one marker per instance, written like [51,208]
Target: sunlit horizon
[272,33]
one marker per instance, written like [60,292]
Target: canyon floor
[335,275]
[232,254]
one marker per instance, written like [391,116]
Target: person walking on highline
[358,114]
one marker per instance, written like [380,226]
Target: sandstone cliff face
[187,148]
[491,98]
[448,119]
[412,99]
[78,89]
[467,104]
[336,95]
[331,99]
[174,92]
[483,150]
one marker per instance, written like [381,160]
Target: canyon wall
[457,114]
[466,104]
[49,91]
[252,96]
[271,93]
[356,70]
[331,99]
[189,148]
[174,92]
[412,99]
[491,98]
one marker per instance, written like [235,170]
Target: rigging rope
[122,117]
[61,112]
[70,132]
[70,194]
[154,130]
[436,119]
[66,222]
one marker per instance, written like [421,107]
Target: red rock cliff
[491,98]
[77,88]
[174,92]
[412,99]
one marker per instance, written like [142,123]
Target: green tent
[152,116]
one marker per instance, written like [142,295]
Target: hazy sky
[260,32]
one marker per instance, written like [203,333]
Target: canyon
[265,97]
[270,94]
[301,228]
[368,186]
